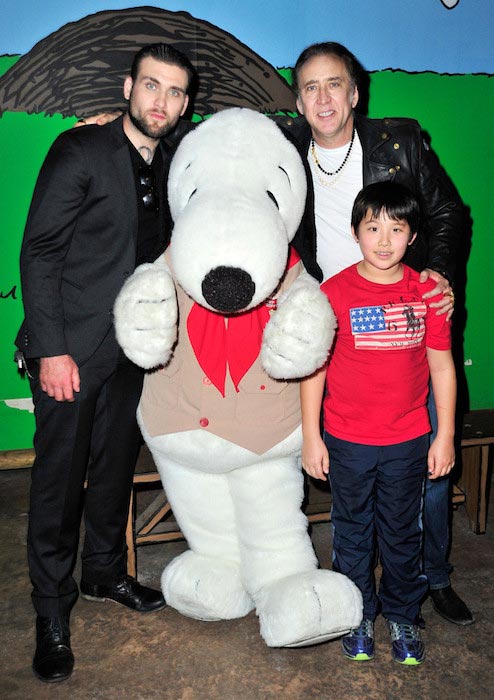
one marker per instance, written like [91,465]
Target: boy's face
[383,241]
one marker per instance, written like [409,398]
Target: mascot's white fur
[225,433]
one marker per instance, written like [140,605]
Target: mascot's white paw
[299,335]
[308,608]
[145,315]
[205,588]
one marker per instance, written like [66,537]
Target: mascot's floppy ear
[237,189]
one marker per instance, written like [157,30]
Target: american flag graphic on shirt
[390,327]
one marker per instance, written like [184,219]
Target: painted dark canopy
[80,68]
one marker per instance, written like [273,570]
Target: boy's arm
[315,458]
[441,456]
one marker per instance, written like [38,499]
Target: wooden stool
[155,523]
[477,437]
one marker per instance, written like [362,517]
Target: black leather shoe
[53,660]
[126,591]
[450,606]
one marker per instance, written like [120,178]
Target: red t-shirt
[378,375]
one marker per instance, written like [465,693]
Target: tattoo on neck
[146,154]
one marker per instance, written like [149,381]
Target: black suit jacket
[80,241]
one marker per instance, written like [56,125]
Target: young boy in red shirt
[376,424]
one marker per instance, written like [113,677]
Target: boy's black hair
[396,200]
[167,54]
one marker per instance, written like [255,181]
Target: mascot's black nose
[228,289]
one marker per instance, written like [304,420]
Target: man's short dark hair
[396,200]
[329,48]
[167,54]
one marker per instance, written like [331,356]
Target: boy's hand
[315,458]
[441,458]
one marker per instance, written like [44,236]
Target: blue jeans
[436,521]
[377,496]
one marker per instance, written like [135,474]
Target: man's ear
[127,88]
[354,233]
[412,238]
[300,108]
[355,97]
[186,102]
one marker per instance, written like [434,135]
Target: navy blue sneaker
[358,644]
[406,645]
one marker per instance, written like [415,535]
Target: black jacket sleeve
[55,206]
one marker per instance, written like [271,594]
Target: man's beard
[156,132]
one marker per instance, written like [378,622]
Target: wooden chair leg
[129,537]
[481,524]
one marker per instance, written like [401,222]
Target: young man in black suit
[97,212]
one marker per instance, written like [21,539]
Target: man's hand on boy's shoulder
[446,304]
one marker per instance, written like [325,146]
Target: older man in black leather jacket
[395,149]
[344,151]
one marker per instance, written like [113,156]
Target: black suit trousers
[95,436]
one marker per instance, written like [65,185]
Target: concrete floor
[126,656]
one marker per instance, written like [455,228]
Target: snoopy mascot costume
[227,319]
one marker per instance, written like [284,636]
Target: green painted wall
[454,110]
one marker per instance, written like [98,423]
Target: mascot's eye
[284,171]
[192,194]
[271,196]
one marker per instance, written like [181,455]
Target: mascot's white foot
[308,608]
[205,588]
